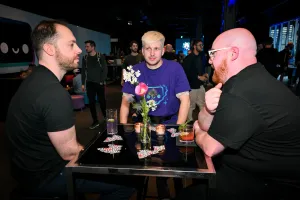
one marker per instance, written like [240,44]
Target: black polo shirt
[40,105]
[258,120]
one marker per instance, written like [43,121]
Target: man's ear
[234,53]
[49,49]
[143,52]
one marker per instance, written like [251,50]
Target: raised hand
[212,98]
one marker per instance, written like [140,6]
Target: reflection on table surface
[124,150]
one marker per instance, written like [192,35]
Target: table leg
[70,184]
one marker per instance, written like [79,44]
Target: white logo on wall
[186,45]
[4,48]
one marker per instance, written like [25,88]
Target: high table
[122,154]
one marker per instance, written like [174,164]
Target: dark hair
[269,41]
[196,41]
[133,42]
[92,43]
[44,32]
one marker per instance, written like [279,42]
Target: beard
[65,63]
[134,50]
[219,75]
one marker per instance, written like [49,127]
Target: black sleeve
[186,67]
[57,109]
[235,121]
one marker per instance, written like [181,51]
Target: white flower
[151,104]
[131,75]
[127,77]
[129,67]
[137,73]
[134,80]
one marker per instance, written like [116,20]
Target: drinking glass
[112,121]
[187,134]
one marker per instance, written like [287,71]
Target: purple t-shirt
[163,85]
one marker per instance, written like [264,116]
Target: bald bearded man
[250,125]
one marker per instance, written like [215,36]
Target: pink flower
[141,89]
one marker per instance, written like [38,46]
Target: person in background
[29,70]
[194,68]
[169,54]
[297,63]
[291,65]
[180,57]
[133,58]
[284,56]
[77,84]
[260,47]
[41,127]
[269,57]
[94,74]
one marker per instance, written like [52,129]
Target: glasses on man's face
[212,52]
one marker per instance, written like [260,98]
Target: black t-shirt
[269,57]
[258,120]
[40,105]
[169,56]
[132,60]
[193,68]
[94,69]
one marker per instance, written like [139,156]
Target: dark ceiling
[173,18]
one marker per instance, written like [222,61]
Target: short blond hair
[153,36]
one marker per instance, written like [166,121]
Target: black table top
[169,158]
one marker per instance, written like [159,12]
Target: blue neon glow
[231,2]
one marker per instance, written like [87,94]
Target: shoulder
[55,94]
[172,66]
[100,55]
[139,66]
[126,58]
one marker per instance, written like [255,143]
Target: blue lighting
[231,3]
[222,17]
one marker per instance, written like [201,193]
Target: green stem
[145,111]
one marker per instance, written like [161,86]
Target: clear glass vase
[145,135]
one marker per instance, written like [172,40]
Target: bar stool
[78,102]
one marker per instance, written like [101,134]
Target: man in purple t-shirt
[167,85]
[166,81]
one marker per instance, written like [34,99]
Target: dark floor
[83,120]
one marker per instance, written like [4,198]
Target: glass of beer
[186,134]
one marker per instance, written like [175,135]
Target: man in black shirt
[269,57]
[40,120]
[251,125]
[133,58]
[94,74]
[169,54]
[195,72]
